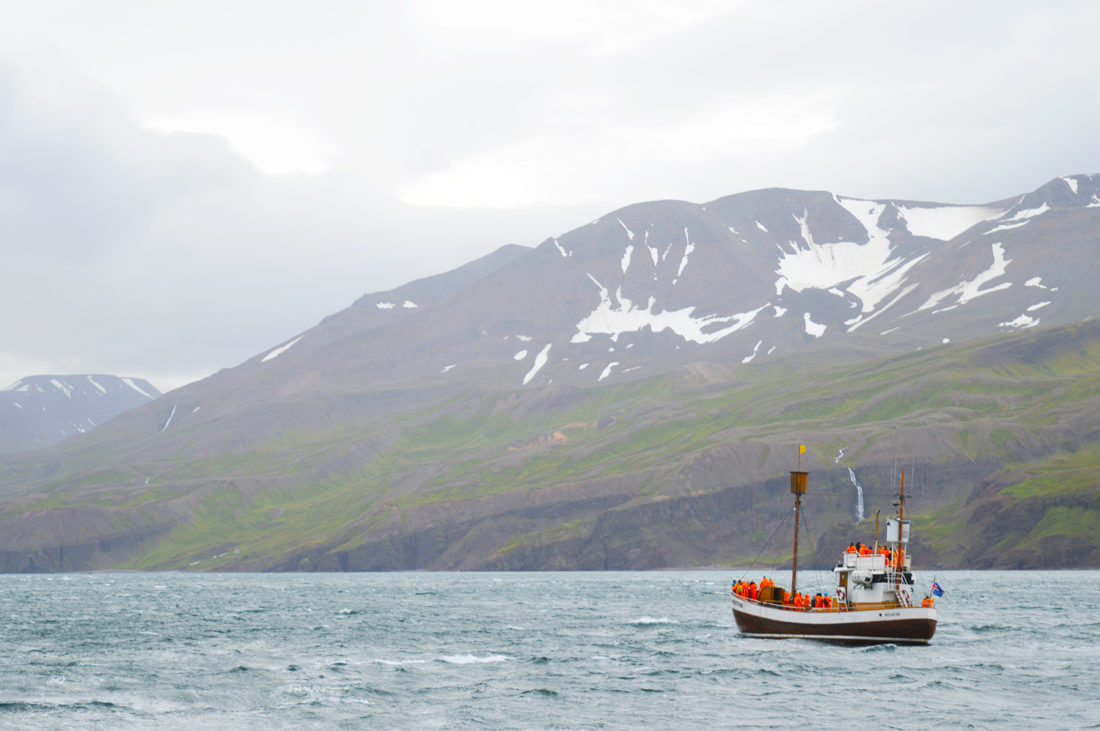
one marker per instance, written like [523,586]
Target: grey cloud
[152,254]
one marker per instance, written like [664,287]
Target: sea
[527,650]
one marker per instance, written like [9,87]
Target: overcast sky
[184,184]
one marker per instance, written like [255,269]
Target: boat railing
[838,606]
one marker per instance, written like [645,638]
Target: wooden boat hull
[897,625]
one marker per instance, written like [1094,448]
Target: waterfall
[859,493]
[859,487]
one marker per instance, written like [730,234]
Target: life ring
[906,596]
[840,593]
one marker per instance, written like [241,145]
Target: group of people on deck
[895,559]
[752,590]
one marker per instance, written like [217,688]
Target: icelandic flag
[937,590]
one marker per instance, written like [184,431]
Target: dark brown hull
[903,626]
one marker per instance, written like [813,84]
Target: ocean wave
[651,621]
[472,659]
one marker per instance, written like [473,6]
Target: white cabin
[870,580]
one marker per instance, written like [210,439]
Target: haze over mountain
[626,396]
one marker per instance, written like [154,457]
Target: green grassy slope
[660,471]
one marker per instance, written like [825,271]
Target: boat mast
[798,487]
[901,529]
[901,497]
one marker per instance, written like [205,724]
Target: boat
[873,600]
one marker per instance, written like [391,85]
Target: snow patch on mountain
[805,229]
[653,253]
[520,355]
[944,222]
[1072,183]
[813,328]
[868,270]
[748,358]
[409,305]
[563,252]
[171,416]
[1036,282]
[614,319]
[101,388]
[607,371]
[385,305]
[63,387]
[761,227]
[688,248]
[280,350]
[1038,306]
[1029,213]
[626,257]
[1007,227]
[540,361]
[1023,321]
[629,233]
[130,382]
[970,290]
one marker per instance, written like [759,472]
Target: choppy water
[572,650]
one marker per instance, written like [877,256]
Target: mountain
[627,395]
[40,411]
[740,279]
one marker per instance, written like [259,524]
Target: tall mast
[901,529]
[798,487]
